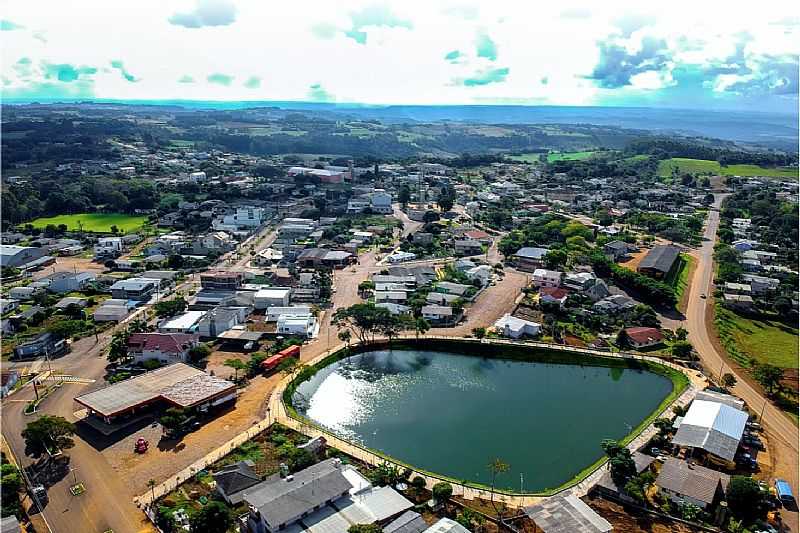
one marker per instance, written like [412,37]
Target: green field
[763,339]
[95,222]
[703,166]
[526,158]
[679,280]
[568,156]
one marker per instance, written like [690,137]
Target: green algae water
[451,414]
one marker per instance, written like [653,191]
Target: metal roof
[446,525]
[567,514]
[408,522]
[714,427]
[660,258]
[694,481]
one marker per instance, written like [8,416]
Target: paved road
[781,431]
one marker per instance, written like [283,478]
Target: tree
[236,365]
[345,336]
[421,326]
[364,528]
[681,349]
[442,492]
[366,286]
[170,307]
[479,333]
[200,351]
[173,419]
[418,482]
[404,195]
[769,376]
[447,197]
[745,499]
[48,432]
[214,516]
[365,320]
[681,334]
[10,485]
[783,306]
[555,259]
[620,462]
[430,216]
[496,467]
[728,380]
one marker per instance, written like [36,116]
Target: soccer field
[94,222]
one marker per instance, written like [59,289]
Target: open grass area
[94,222]
[568,156]
[767,340]
[531,157]
[702,166]
[679,280]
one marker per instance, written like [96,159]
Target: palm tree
[152,484]
[236,365]
[497,466]
[345,336]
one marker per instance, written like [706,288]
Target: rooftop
[567,514]
[660,258]
[694,481]
[714,427]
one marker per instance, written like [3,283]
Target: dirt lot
[622,521]
[167,457]
[216,363]
[70,264]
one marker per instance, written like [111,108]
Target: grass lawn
[568,156]
[679,280]
[766,340]
[705,166]
[95,222]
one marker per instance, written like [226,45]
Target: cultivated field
[703,166]
[95,222]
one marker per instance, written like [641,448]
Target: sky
[680,54]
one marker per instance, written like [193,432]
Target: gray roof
[9,524]
[695,481]
[711,426]
[280,500]
[236,477]
[567,514]
[641,460]
[529,252]
[660,258]
[408,522]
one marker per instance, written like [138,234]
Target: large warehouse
[176,385]
[714,427]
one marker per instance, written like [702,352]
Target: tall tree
[48,432]
[769,376]
[213,516]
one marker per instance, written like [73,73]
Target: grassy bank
[94,222]
[510,352]
[704,166]
[679,280]
[763,339]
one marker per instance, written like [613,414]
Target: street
[782,433]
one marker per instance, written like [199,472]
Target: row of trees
[649,290]
[366,321]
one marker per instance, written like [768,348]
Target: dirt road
[781,431]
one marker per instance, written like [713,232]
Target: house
[713,427]
[482,273]
[62,282]
[660,261]
[529,259]
[8,378]
[108,247]
[183,323]
[219,320]
[21,257]
[394,309]
[422,237]
[381,202]
[113,310]
[302,326]
[511,326]
[216,241]
[738,288]
[10,524]
[221,280]
[397,297]
[616,250]
[422,274]
[400,257]
[553,295]
[272,297]
[231,481]
[607,487]
[278,502]
[140,289]
[467,247]
[613,304]
[7,304]
[643,337]
[761,284]
[478,235]
[408,522]
[274,313]
[67,301]
[44,344]
[440,298]
[439,314]
[687,483]
[164,347]
[448,287]
[546,278]
[23,293]
[443,525]
[740,302]
[578,281]
[561,514]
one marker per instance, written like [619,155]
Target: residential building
[21,257]
[439,314]
[546,278]
[108,247]
[44,344]
[561,514]
[482,273]
[553,296]
[660,261]
[643,337]
[448,287]
[183,323]
[140,289]
[739,302]
[511,326]
[164,347]
[219,320]
[607,487]
[616,303]
[231,481]
[578,281]
[400,257]
[302,326]
[113,310]
[243,218]
[395,309]
[221,280]
[529,259]
[687,483]
[274,313]
[8,378]
[272,297]
[63,282]
[468,247]
[381,202]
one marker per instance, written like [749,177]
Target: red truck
[272,362]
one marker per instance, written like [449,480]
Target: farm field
[568,156]
[764,339]
[94,222]
[705,166]
[532,157]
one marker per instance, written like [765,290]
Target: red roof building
[640,337]
[164,347]
[477,235]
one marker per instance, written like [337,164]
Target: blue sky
[709,55]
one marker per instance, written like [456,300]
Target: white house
[274,313]
[304,326]
[185,323]
[272,297]
[511,326]
[113,310]
[108,246]
[220,320]
[546,278]
[400,257]
[481,272]
[381,202]
[135,288]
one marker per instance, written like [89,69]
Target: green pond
[451,414]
